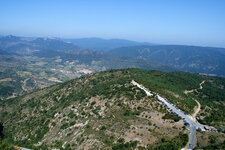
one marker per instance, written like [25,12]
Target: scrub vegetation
[105,111]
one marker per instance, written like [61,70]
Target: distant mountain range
[54,47]
[3,52]
[100,44]
[207,60]
[26,46]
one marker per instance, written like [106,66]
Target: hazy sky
[196,22]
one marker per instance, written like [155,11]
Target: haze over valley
[115,75]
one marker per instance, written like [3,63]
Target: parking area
[191,125]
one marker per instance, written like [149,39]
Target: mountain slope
[103,44]
[195,59]
[104,110]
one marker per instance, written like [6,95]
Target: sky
[189,22]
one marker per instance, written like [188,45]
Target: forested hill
[105,111]
[195,59]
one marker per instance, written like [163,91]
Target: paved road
[192,137]
[191,124]
[142,87]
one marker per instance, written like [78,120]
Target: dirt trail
[191,91]
[199,105]
[197,110]
[24,85]
[201,85]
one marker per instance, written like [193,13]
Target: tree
[1,130]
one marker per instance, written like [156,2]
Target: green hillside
[105,111]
